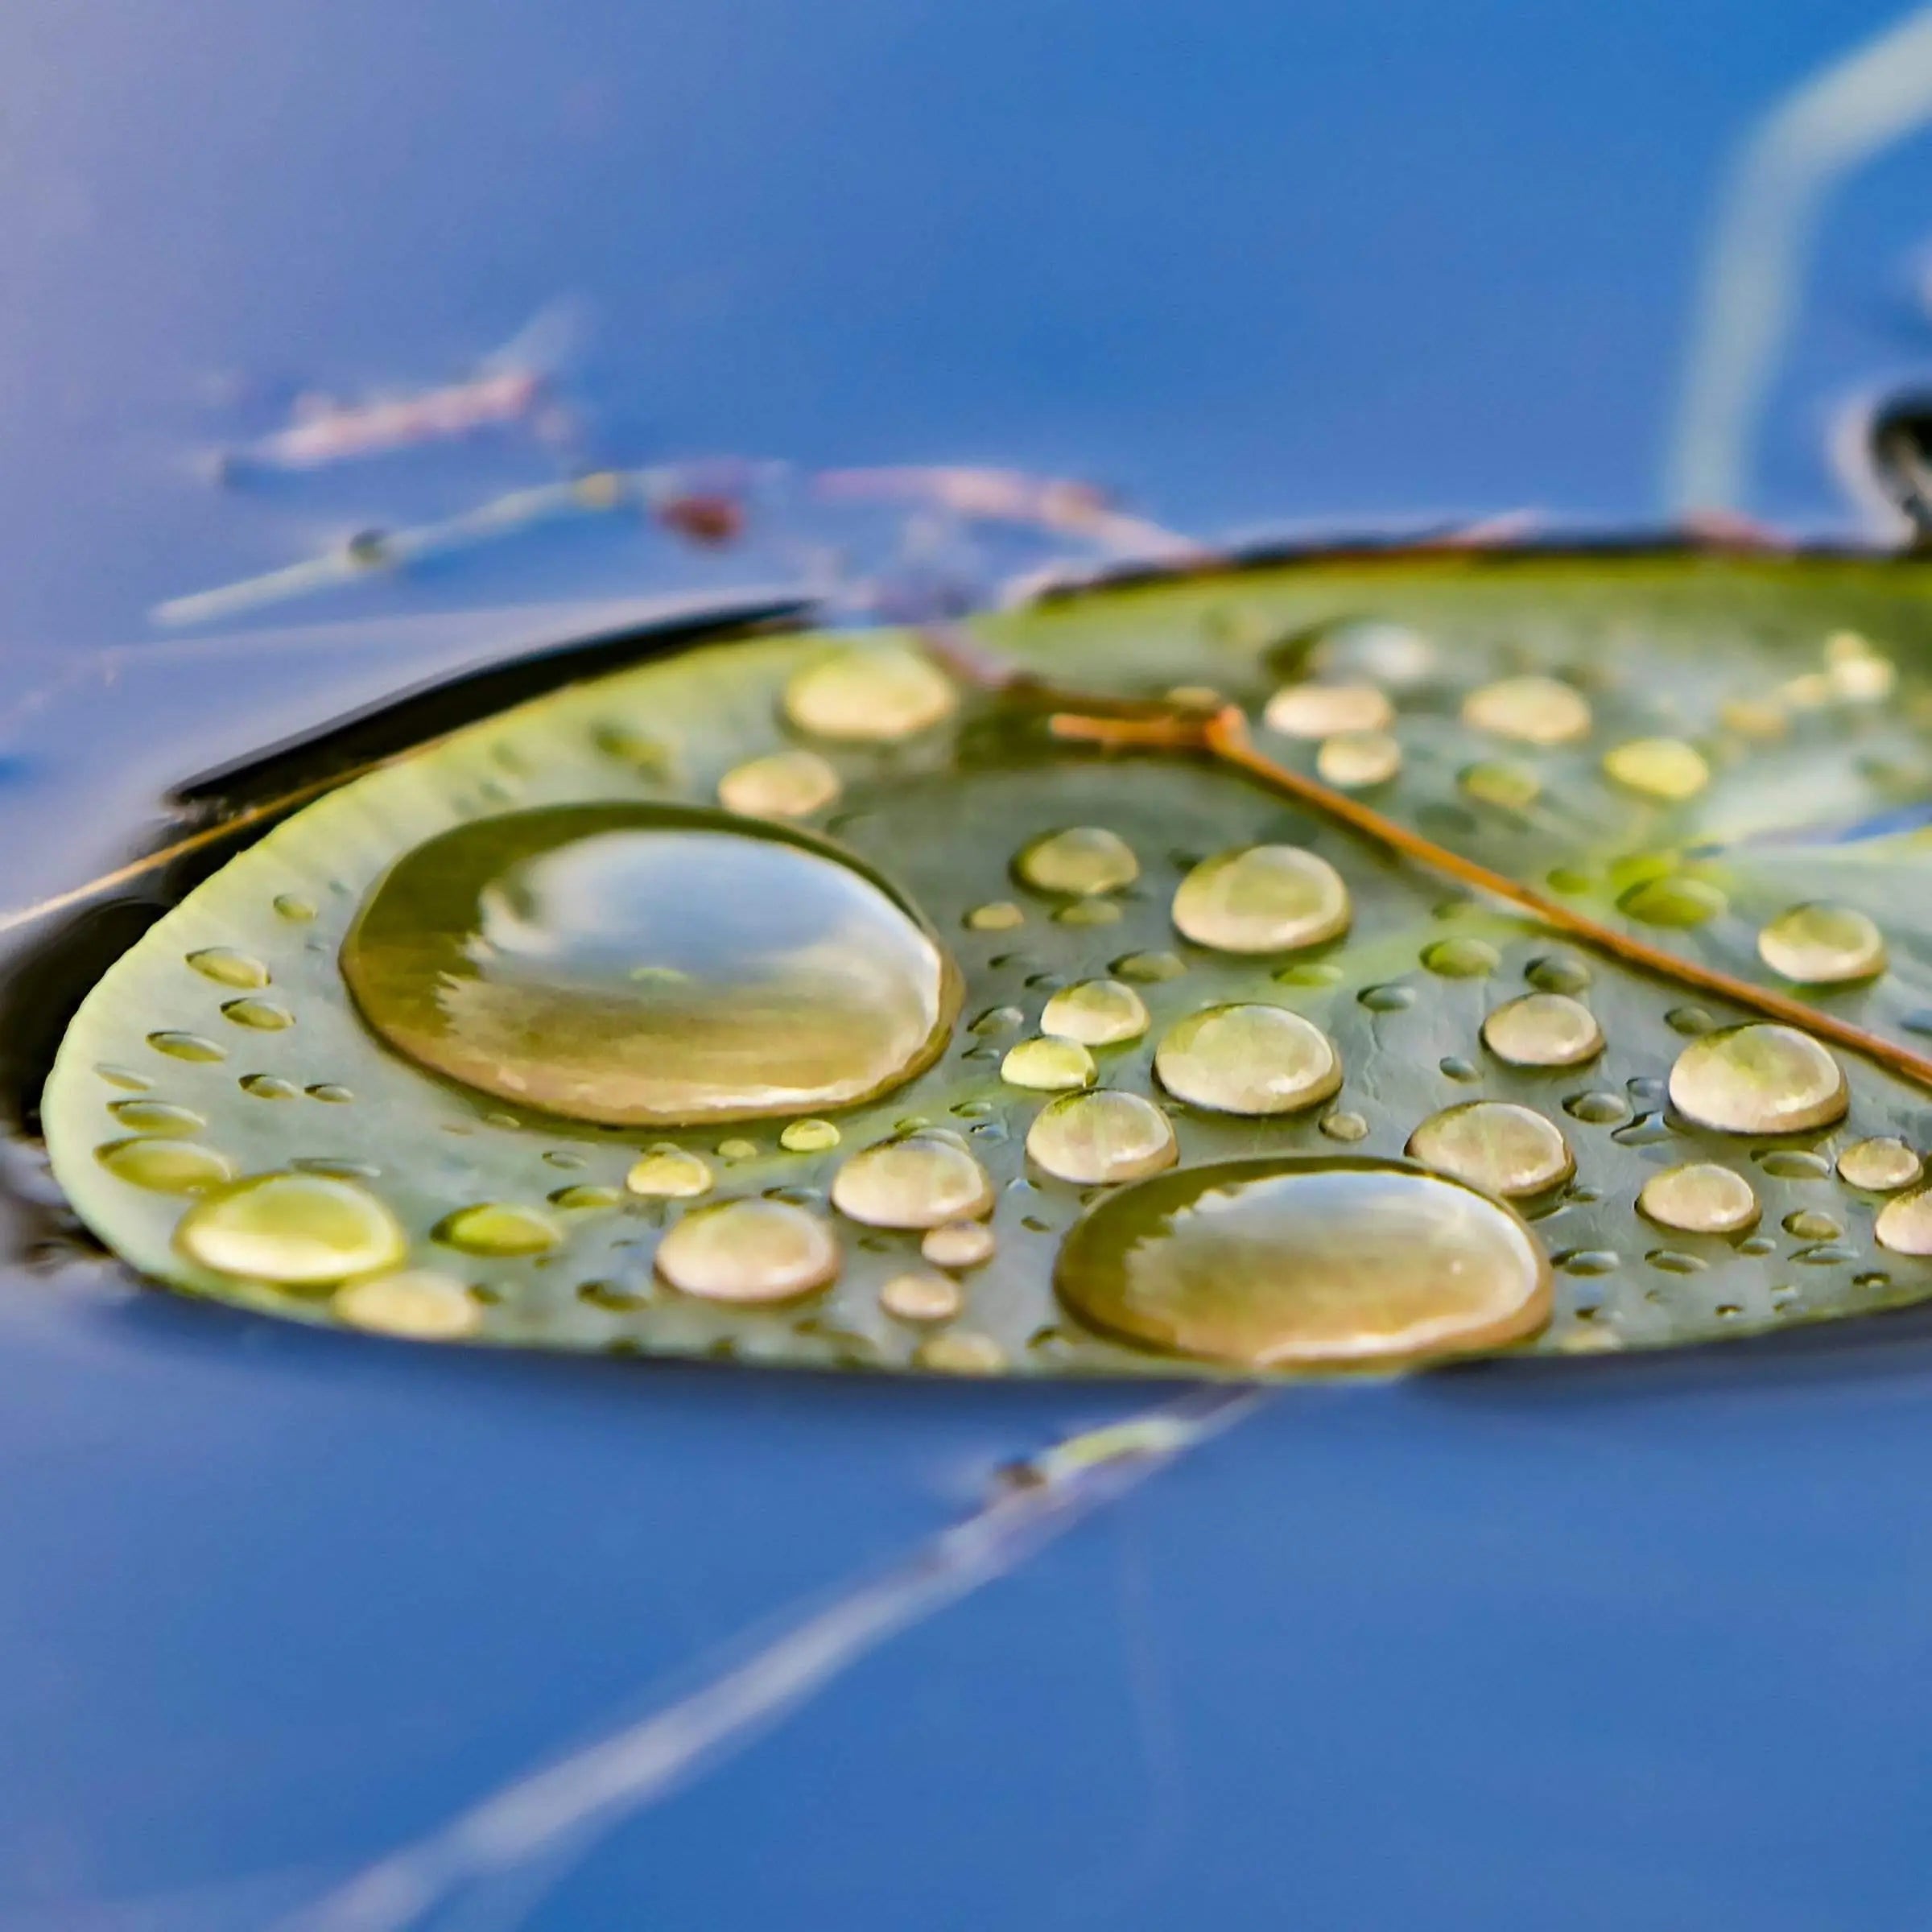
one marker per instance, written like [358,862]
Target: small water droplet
[1558,973]
[294,908]
[585,1194]
[1509,786]
[1857,673]
[1699,1198]
[959,1245]
[268,1087]
[786,785]
[1390,998]
[997,915]
[1097,1139]
[1691,1020]
[1282,1263]
[1533,710]
[264,1016]
[1149,968]
[1048,1065]
[1095,1013]
[1543,1029]
[1792,1164]
[1588,1261]
[1262,898]
[326,1091]
[227,967]
[1375,648]
[921,1297]
[1646,1130]
[1496,1145]
[667,1172]
[1904,1223]
[1820,945]
[1879,1166]
[1679,901]
[1660,768]
[163,1165]
[1455,1067]
[869,694]
[749,1251]
[1321,711]
[955,1353]
[1248,1060]
[499,1228]
[125,1078]
[1353,761]
[295,1229]
[1080,861]
[415,1303]
[922,1181]
[1758,1079]
[1461,959]
[1345,1126]
[1598,1108]
[808,1137]
[156,1116]
[1673,1263]
[737,1149]
[1811,1224]
[186,1047]
[999,1019]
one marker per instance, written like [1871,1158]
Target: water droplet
[1509,786]
[163,1165]
[1790,1164]
[186,1047]
[736,1149]
[296,1230]
[1820,945]
[1857,672]
[627,744]
[959,1245]
[872,694]
[1758,1079]
[1808,1224]
[1660,768]
[124,1077]
[1679,901]
[1904,1223]
[1597,1108]
[1150,968]
[749,1251]
[1588,1261]
[264,1016]
[999,915]
[961,1354]
[1345,1126]
[1096,1013]
[1673,1263]
[666,1172]
[1262,898]
[1557,972]
[1388,998]
[499,1228]
[1375,648]
[1461,959]
[786,785]
[155,1117]
[1248,1060]
[1543,1029]
[1097,1139]
[921,1297]
[268,1087]
[1308,973]
[921,1181]
[1691,1020]
[1533,710]
[1879,1166]
[1455,1067]
[1048,1065]
[415,1303]
[1320,711]
[227,968]
[634,964]
[1699,1198]
[808,1137]
[1083,860]
[585,1194]
[1284,1263]
[1496,1146]
[1353,761]
[328,1091]
[297,910]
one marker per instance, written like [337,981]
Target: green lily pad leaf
[787,1001]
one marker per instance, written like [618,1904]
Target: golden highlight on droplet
[872,694]
[294,1230]
[1507,1150]
[1759,1079]
[1248,1060]
[1262,898]
[1699,1198]
[749,1251]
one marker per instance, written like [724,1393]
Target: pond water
[1608,1645]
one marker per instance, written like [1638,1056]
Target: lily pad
[1007,1054]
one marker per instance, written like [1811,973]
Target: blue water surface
[1634,1648]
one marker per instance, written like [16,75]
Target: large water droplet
[1879,1166]
[786,785]
[296,1230]
[1496,1145]
[1543,1029]
[1248,1060]
[1660,768]
[874,694]
[163,1164]
[1262,898]
[415,1303]
[921,1181]
[636,964]
[1533,710]
[749,1251]
[499,1228]
[1096,1013]
[1319,710]
[1758,1079]
[1094,1139]
[1279,1263]
[1081,860]
[1821,945]
[1699,1198]
[1047,1066]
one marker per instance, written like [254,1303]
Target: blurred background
[1647,1650]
